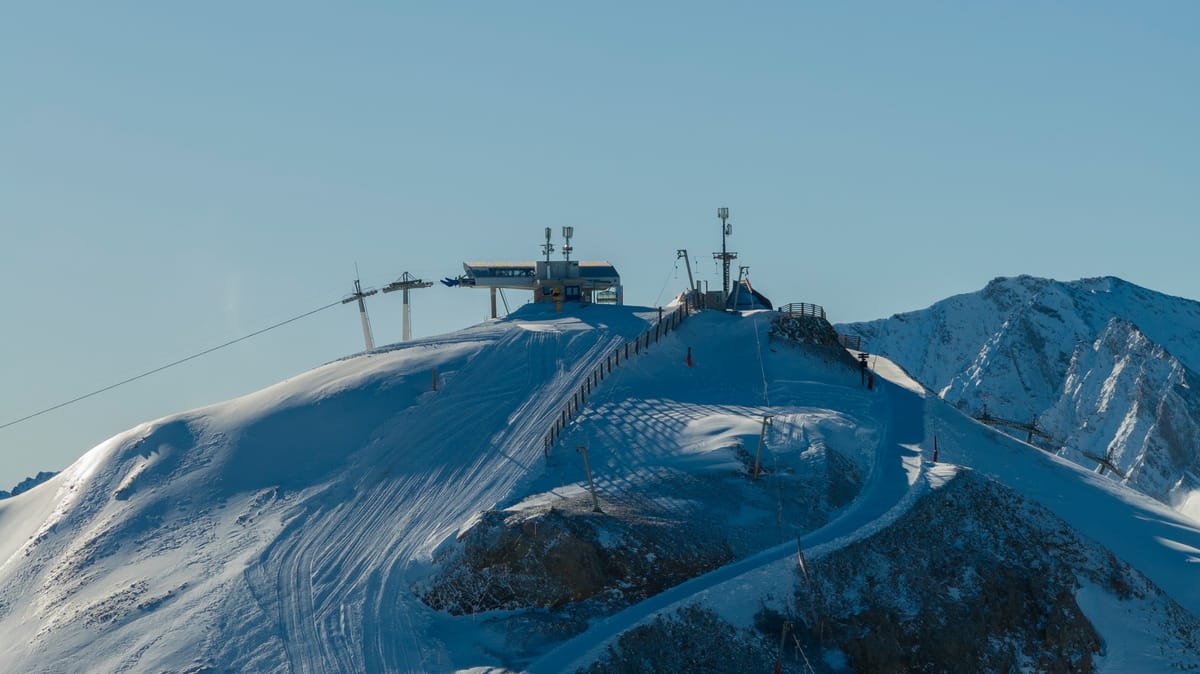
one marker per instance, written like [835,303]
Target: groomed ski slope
[278,532]
[283,531]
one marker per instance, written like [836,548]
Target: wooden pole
[591,485]
[782,641]
[758,453]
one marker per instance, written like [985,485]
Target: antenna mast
[406,282]
[547,247]
[359,294]
[724,256]
[567,232]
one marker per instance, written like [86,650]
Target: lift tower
[724,256]
[682,253]
[359,295]
[406,282]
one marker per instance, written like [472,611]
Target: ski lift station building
[549,280]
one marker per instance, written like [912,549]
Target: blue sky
[173,177]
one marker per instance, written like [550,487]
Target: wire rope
[666,282]
[774,457]
[156,370]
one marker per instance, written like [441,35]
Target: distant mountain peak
[1102,363]
[27,484]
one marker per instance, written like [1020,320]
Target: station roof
[524,274]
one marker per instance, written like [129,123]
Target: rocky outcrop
[558,556]
[694,639]
[1104,367]
[27,484]
[1128,401]
[816,335]
[972,578]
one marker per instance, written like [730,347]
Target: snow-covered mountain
[1106,368]
[401,511]
[27,484]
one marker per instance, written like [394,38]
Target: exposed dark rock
[692,640]
[28,483]
[557,557]
[815,335]
[971,579]
[805,330]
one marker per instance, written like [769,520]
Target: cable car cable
[168,365]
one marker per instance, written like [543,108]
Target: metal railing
[852,342]
[622,354]
[803,309]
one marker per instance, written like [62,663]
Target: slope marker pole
[758,454]
[592,485]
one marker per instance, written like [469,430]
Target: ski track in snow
[346,612]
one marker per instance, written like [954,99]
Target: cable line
[169,365]
[667,281]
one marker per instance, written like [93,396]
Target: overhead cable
[168,365]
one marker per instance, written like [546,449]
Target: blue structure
[743,297]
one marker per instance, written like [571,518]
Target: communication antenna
[568,232]
[406,282]
[359,294]
[547,247]
[724,256]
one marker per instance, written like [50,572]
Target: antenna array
[724,256]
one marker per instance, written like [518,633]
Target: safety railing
[803,309]
[615,358]
[852,342]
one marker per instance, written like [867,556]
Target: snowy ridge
[276,531]
[1105,367]
[291,530]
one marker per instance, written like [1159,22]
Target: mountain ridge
[352,518]
[1072,357]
